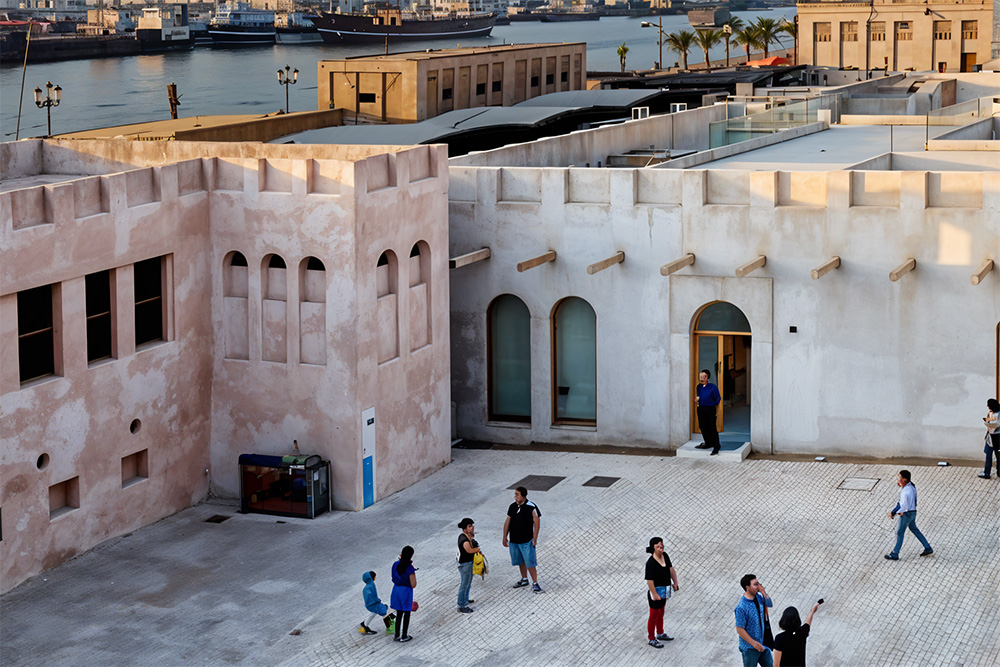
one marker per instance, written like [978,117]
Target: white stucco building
[852,362]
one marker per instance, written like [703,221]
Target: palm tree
[767,34]
[735,24]
[680,43]
[622,52]
[748,39]
[707,39]
[792,29]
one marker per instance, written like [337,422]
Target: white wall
[876,368]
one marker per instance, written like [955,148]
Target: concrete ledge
[730,452]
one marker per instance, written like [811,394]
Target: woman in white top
[992,445]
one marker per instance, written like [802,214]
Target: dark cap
[465,523]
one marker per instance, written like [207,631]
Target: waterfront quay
[185,590]
[105,92]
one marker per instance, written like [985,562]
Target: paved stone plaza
[184,591]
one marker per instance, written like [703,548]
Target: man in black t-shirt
[521,527]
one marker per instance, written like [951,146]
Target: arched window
[387,314]
[574,365]
[274,309]
[420,295]
[508,337]
[312,311]
[236,292]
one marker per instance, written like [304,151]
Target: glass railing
[779,114]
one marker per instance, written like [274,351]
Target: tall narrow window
[36,336]
[420,295]
[508,339]
[575,367]
[312,311]
[149,318]
[387,316]
[99,321]
[235,300]
[274,311]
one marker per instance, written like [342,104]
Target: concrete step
[731,452]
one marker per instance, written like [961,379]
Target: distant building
[415,86]
[166,306]
[943,36]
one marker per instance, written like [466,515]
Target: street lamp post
[286,78]
[659,41]
[53,95]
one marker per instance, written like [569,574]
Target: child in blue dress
[404,580]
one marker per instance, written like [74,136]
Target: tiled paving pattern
[188,592]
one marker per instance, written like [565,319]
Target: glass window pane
[510,355]
[723,316]
[576,360]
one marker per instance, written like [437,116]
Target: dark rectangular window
[366,98]
[497,86]
[534,82]
[550,79]
[480,89]
[35,334]
[446,93]
[564,77]
[148,300]
[98,315]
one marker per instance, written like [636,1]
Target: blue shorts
[523,554]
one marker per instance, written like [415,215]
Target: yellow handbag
[480,565]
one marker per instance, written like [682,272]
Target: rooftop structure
[414,86]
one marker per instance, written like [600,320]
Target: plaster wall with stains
[305,374]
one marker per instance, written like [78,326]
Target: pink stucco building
[167,306]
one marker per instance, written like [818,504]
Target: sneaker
[521,583]
[703,445]
[891,557]
[465,610]
[983,475]
[927,552]
[405,639]
[715,452]
[655,644]
[665,637]
[535,588]
[365,630]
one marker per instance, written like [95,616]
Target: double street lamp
[53,95]
[659,27]
[286,78]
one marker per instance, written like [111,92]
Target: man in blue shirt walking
[906,508]
[750,623]
[707,399]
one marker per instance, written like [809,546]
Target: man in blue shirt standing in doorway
[906,508]
[707,399]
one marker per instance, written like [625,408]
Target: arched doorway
[721,344]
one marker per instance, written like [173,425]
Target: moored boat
[395,25]
[296,28]
[239,24]
[164,29]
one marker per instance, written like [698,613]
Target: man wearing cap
[467,548]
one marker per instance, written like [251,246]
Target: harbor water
[118,91]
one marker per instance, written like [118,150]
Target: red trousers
[655,624]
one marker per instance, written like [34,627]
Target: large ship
[394,25]
[164,29]
[239,24]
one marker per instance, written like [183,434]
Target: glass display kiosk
[297,485]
